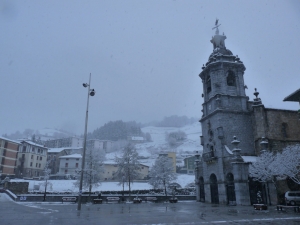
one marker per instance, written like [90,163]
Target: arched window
[284,127]
[231,78]
[208,84]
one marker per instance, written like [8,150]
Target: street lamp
[91,92]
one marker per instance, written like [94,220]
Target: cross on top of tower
[218,40]
[216,26]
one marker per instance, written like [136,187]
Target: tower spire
[218,41]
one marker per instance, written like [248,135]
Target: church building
[235,130]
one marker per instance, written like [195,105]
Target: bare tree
[162,173]
[93,169]
[128,165]
[47,172]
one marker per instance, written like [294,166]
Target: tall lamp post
[91,92]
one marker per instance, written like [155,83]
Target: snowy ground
[68,185]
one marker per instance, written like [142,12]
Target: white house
[69,164]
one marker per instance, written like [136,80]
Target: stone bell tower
[226,113]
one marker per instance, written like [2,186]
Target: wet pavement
[189,212]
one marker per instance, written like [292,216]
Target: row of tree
[161,174]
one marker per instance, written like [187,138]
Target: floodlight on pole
[91,92]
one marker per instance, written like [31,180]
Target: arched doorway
[257,191]
[230,190]
[201,189]
[214,189]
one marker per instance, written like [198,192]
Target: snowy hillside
[150,150]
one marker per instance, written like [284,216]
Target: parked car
[292,198]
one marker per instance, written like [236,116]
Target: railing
[208,156]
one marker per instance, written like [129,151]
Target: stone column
[240,171]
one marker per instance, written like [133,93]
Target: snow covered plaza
[154,112]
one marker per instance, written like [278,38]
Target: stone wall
[280,127]
[17,187]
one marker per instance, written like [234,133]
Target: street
[189,212]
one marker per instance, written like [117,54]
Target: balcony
[209,156]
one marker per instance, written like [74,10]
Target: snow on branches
[93,169]
[128,165]
[281,165]
[162,173]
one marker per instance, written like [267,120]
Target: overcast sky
[144,57]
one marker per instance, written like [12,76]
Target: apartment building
[70,164]
[8,156]
[32,159]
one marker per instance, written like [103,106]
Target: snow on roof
[6,139]
[56,150]
[249,158]
[74,156]
[137,138]
[34,144]
[228,150]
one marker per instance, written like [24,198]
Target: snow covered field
[68,185]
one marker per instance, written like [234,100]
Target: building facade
[172,156]
[32,159]
[8,157]
[70,164]
[64,142]
[110,171]
[233,128]
[54,154]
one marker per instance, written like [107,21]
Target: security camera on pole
[91,92]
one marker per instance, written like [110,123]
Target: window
[31,156]
[230,78]
[41,158]
[24,149]
[66,171]
[208,84]
[284,127]
[66,165]
[39,165]
[37,158]
[67,159]
[39,150]
[76,165]
[36,165]
[31,164]
[32,149]
[77,159]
